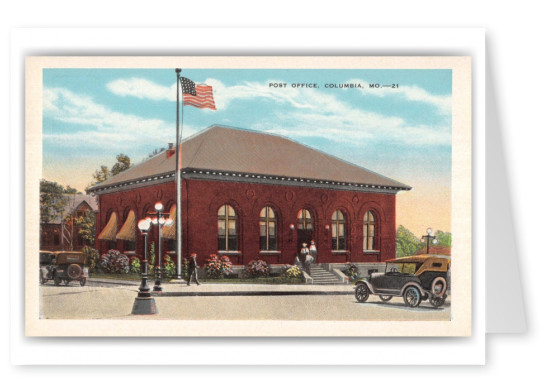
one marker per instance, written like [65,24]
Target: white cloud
[142,89]
[101,126]
[411,93]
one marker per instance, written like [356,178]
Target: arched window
[369,231]
[227,229]
[305,219]
[268,229]
[338,231]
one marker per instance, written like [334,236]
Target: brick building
[61,234]
[251,195]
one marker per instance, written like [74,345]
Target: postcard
[248,196]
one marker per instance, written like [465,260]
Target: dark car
[415,278]
[63,266]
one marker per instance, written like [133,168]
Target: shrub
[169,266]
[115,262]
[135,265]
[93,257]
[257,268]
[291,272]
[351,270]
[218,267]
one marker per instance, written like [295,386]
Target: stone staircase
[321,276]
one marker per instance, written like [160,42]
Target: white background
[518,53]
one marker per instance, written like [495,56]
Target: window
[369,231]
[304,219]
[338,231]
[227,229]
[268,229]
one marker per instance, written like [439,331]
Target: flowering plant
[257,268]
[291,271]
[351,270]
[218,267]
[169,266]
[115,262]
[135,265]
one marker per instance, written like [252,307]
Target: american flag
[197,95]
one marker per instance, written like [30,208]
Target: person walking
[192,269]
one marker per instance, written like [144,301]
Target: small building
[61,234]
[251,195]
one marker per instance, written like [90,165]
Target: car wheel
[42,279]
[74,271]
[439,286]
[361,293]
[57,280]
[385,298]
[437,301]
[82,281]
[412,296]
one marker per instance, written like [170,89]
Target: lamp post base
[144,306]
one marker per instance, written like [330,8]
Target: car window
[404,268]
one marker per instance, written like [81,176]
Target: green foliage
[135,265]
[93,257]
[115,262]
[169,267]
[444,238]
[52,200]
[351,270]
[87,227]
[406,242]
[104,173]
[152,256]
[71,190]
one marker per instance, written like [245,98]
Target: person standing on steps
[304,252]
[313,251]
[192,269]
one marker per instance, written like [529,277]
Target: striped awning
[110,230]
[170,231]
[128,230]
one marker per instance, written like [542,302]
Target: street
[230,302]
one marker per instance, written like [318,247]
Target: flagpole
[178,183]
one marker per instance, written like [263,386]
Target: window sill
[229,252]
[270,252]
[336,252]
[372,251]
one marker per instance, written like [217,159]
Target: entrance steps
[320,276]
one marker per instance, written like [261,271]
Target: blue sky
[91,115]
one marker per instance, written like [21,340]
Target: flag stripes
[197,95]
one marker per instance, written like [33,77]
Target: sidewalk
[173,288]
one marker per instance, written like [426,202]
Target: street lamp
[160,220]
[428,237]
[144,304]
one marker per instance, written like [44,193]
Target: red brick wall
[201,199]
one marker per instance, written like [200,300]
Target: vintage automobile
[415,278]
[63,266]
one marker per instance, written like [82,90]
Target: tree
[444,238]
[52,200]
[87,227]
[104,173]
[156,152]
[406,242]
[71,190]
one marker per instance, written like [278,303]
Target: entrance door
[305,228]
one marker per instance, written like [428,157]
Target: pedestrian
[303,254]
[313,251]
[192,269]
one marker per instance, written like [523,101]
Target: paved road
[230,302]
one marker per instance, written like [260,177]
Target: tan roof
[245,151]
[74,201]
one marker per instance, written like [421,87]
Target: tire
[439,286]
[385,298]
[57,280]
[42,279]
[74,271]
[361,292]
[437,301]
[412,296]
[82,281]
